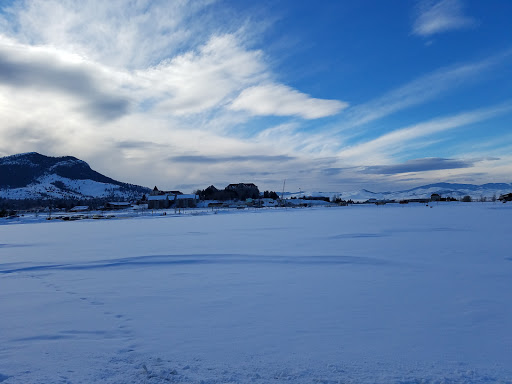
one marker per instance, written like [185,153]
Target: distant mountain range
[444,189]
[35,176]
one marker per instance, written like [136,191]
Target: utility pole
[282,194]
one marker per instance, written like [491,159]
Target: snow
[358,294]
[186,196]
[77,189]
[424,192]
[67,163]
[159,197]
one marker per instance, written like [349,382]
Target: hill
[444,189]
[35,176]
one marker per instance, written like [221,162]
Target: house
[420,200]
[115,205]
[186,201]
[244,190]
[79,208]
[380,202]
[170,199]
[435,197]
[159,201]
[157,192]
[506,197]
[242,185]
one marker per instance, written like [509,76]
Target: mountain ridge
[32,175]
[487,190]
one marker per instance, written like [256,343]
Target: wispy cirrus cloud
[397,141]
[205,78]
[440,16]
[202,159]
[117,33]
[138,144]
[418,165]
[422,90]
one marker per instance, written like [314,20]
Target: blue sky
[331,96]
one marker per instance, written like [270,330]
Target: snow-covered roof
[189,196]
[80,208]
[159,197]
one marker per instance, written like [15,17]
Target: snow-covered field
[360,294]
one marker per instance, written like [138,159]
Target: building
[435,197]
[170,199]
[157,192]
[79,208]
[244,190]
[159,202]
[114,205]
[186,201]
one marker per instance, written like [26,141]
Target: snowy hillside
[444,189]
[35,176]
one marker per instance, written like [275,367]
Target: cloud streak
[199,159]
[398,140]
[436,17]
[421,90]
[121,34]
[418,165]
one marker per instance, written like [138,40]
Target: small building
[115,205]
[419,200]
[158,192]
[169,199]
[159,201]
[435,197]
[244,190]
[380,201]
[186,201]
[79,208]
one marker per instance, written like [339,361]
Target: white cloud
[120,33]
[164,55]
[280,100]
[379,150]
[440,16]
[421,90]
[52,72]
[200,80]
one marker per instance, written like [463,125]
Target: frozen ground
[362,294]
